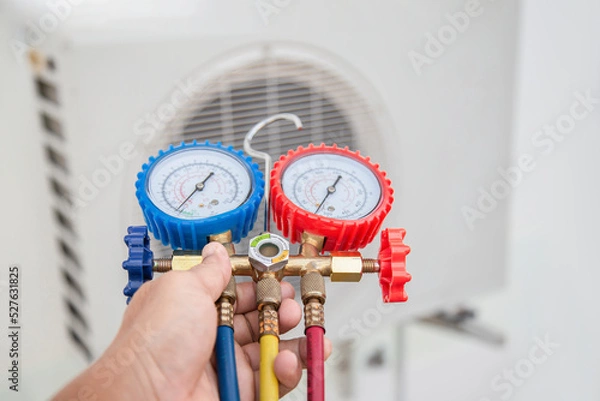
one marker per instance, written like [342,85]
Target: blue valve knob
[140,260]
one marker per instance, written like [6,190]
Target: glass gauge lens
[198,183]
[332,185]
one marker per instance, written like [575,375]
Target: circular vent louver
[330,108]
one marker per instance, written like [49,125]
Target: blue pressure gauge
[195,190]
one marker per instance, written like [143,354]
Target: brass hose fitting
[268,321]
[268,292]
[312,285]
[312,289]
[268,299]
[229,291]
[225,304]
[228,296]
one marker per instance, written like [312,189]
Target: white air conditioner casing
[440,135]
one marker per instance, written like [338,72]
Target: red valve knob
[392,265]
[340,234]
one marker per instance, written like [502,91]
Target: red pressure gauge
[332,192]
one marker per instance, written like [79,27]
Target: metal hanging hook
[266,157]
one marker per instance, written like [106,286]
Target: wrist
[114,377]
[119,374]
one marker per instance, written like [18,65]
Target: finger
[246,325]
[244,332]
[296,345]
[328,347]
[288,371]
[252,352]
[215,270]
[246,296]
[245,375]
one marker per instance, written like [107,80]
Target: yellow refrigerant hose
[268,297]
[269,386]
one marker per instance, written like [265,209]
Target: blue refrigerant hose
[226,368]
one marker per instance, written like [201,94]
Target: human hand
[164,348]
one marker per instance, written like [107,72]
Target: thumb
[214,272]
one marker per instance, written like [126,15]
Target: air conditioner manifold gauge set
[330,200]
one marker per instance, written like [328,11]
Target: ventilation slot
[51,125]
[79,343]
[63,221]
[60,191]
[56,158]
[72,283]
[46,91]
[68,252]
[76,314]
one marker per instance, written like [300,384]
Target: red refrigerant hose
[315,358]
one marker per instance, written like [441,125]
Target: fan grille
[228,107]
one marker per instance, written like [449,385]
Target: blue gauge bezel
[192,234]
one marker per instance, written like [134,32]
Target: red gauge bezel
[340,235]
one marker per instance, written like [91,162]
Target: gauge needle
[198,188]
[330,190]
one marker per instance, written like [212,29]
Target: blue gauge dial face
[196,183]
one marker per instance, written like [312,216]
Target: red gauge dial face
[331,192]
[332,185]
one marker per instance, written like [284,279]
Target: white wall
[553,263]
[554,270]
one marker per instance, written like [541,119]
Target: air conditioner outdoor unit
[113,91]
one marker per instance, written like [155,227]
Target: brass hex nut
[183,260]
[268,252]
[346,266]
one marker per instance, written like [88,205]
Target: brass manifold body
[338,266]
[309,264]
